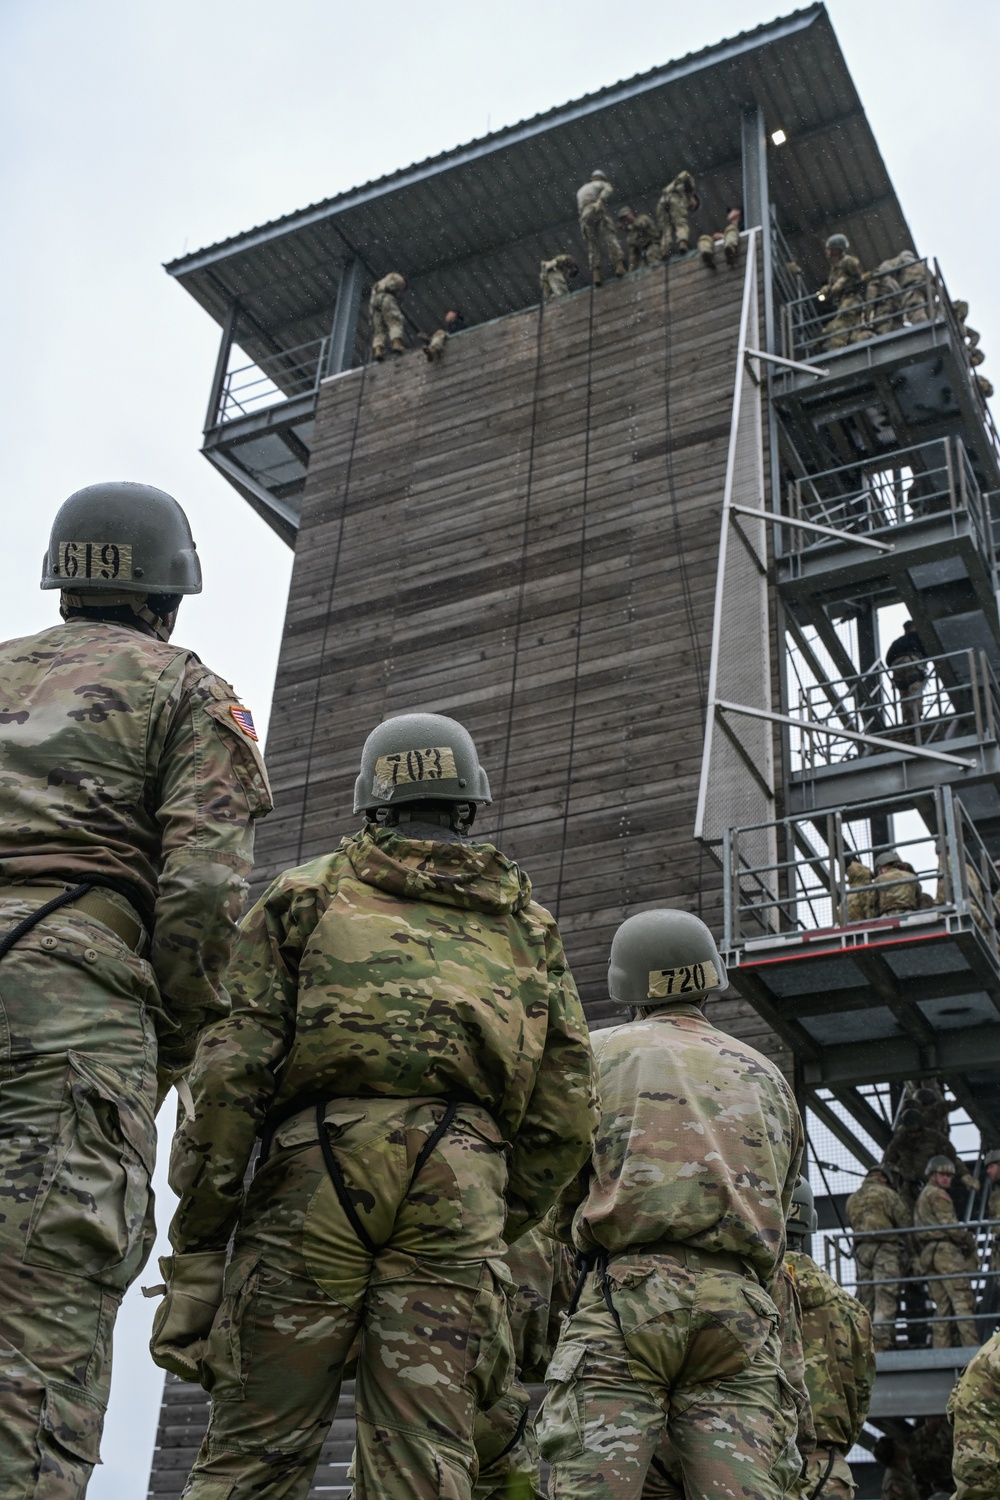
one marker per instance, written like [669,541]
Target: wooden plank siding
[525,536]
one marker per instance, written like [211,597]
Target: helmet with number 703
[121,538]
[419,758]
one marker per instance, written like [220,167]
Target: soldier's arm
[556,1135]
[864,1363]
[235,1071]
[210,787]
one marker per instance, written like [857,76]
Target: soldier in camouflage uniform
[930,1455]
[407,1036]
[860,899]
[991,1166]
[944,1250]
[131,778]
[682,1216]
[544,1278]
[913,1143]
[897,889]
[434,347]
[873,1212]
[642,238]
[386,315]
[596,226]
[974,1408]
[840,1366]
[677,203]
[728,238]
[898,1482]
[845,292]
[555,275]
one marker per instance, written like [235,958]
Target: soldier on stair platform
[946,1249]
[873,1212]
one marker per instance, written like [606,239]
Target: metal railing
[261,383]
[823,876]
[886,302]
[906,489]
[927,702]
[916,1305]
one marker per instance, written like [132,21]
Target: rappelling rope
[579,605]
[523,572]
[329,607]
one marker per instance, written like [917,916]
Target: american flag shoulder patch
[244,718]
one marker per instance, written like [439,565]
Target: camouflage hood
[473,877]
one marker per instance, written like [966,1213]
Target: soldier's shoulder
[117,649]
[319,875]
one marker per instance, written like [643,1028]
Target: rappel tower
[639,539]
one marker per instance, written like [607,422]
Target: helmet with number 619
[121,538]
[419,758]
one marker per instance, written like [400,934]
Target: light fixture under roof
[778,137]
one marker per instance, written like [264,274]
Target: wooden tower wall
[525,536]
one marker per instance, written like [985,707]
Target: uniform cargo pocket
[71,1423]
[494,1366]
[559,1426]
[230,1343]
[92,1212]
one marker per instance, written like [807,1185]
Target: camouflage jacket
[700,1141]
[122,756]
[391,286]
[839,1353]
[642,233]
[876,1206]
[974,1408]
[899,1484]
[897,889]
[847,279]
[591,193]
[785,1296]
[935,1207]
[909,1151]
[397,968]
[544,1278]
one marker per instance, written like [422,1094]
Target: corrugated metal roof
[469,227]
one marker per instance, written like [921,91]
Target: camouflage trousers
[642,251]
[77,1142]
[839,1482]
[673,218]
[507,1450]
[600,237]
[880,1262]
[883,305]
[435,344]
[848,324]
[430,1308]
[953,1297]
[553,284]
[683,1353]
[729,244]
[386,320]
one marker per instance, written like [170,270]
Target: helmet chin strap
[137,603]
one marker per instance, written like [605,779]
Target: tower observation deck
[637,539]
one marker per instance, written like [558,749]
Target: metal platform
[905,994]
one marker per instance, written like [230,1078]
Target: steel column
[345,318]
[221,366]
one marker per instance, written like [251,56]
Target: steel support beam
[345,318]
[221,366]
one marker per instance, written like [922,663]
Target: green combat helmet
[802,1218]
[664,955]
[122,544]
[838,242]
[419,758]
[940,1164]
[990,1158]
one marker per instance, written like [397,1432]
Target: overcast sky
[136,131]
